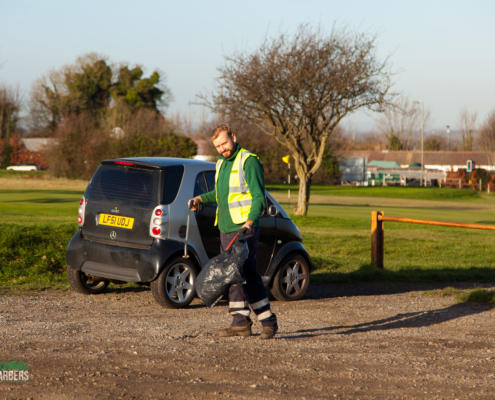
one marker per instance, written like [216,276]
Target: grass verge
[33,257]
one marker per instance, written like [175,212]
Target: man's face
[225,144]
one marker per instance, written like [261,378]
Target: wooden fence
[377,231]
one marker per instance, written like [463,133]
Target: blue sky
[444,50]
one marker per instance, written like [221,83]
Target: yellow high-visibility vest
[240,199]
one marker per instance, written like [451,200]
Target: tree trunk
[303,196]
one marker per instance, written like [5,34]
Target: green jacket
[255,179]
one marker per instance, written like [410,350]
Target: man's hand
[249,226]
[194,202]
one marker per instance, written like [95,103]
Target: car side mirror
[272,211]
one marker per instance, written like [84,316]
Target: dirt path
[361,341]
[42,183]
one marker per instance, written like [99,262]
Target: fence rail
[377,231]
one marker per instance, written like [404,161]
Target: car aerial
[132,228]
[23,167]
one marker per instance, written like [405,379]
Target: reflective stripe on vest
[239,199]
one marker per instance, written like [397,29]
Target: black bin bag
[223,271]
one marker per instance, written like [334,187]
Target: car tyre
[175,287]
[78,280]
[292,278]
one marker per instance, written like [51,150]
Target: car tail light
[158,223]
[81,211]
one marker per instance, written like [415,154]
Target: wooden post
[460,183]
[488,190]
[481,188]
[377,237]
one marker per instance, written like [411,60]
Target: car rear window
[123,186]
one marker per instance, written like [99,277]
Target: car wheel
[175,287]
[84,284]
[292,278]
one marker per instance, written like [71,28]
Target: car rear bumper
[118,261]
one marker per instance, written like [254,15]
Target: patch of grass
[448,291]
[477,296]
[33,257]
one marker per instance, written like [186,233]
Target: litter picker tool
[189,206]
[243,230]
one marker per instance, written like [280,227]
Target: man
[240,196]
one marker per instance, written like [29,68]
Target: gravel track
[361,341]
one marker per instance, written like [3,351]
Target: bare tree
[434,142]
[10,108]
[487,136]
[467,125]
[400,124]
[298,88]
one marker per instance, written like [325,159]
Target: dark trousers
[253,292]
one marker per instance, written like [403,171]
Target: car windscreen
[124,186]
[171,178]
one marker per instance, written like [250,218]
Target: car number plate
[116,221]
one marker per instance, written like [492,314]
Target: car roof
[165,161]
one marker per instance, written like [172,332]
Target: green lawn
[396,192]
[341,251]
[35,227]
[35,207]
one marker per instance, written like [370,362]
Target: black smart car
[132,226]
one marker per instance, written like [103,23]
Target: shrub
[148,134]
[80,145]
[82,141]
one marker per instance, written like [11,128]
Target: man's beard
[228,153]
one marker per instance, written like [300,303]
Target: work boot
[235,331]
[268,332]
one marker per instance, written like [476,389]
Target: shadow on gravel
[420,319]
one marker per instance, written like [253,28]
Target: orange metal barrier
[377,231]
